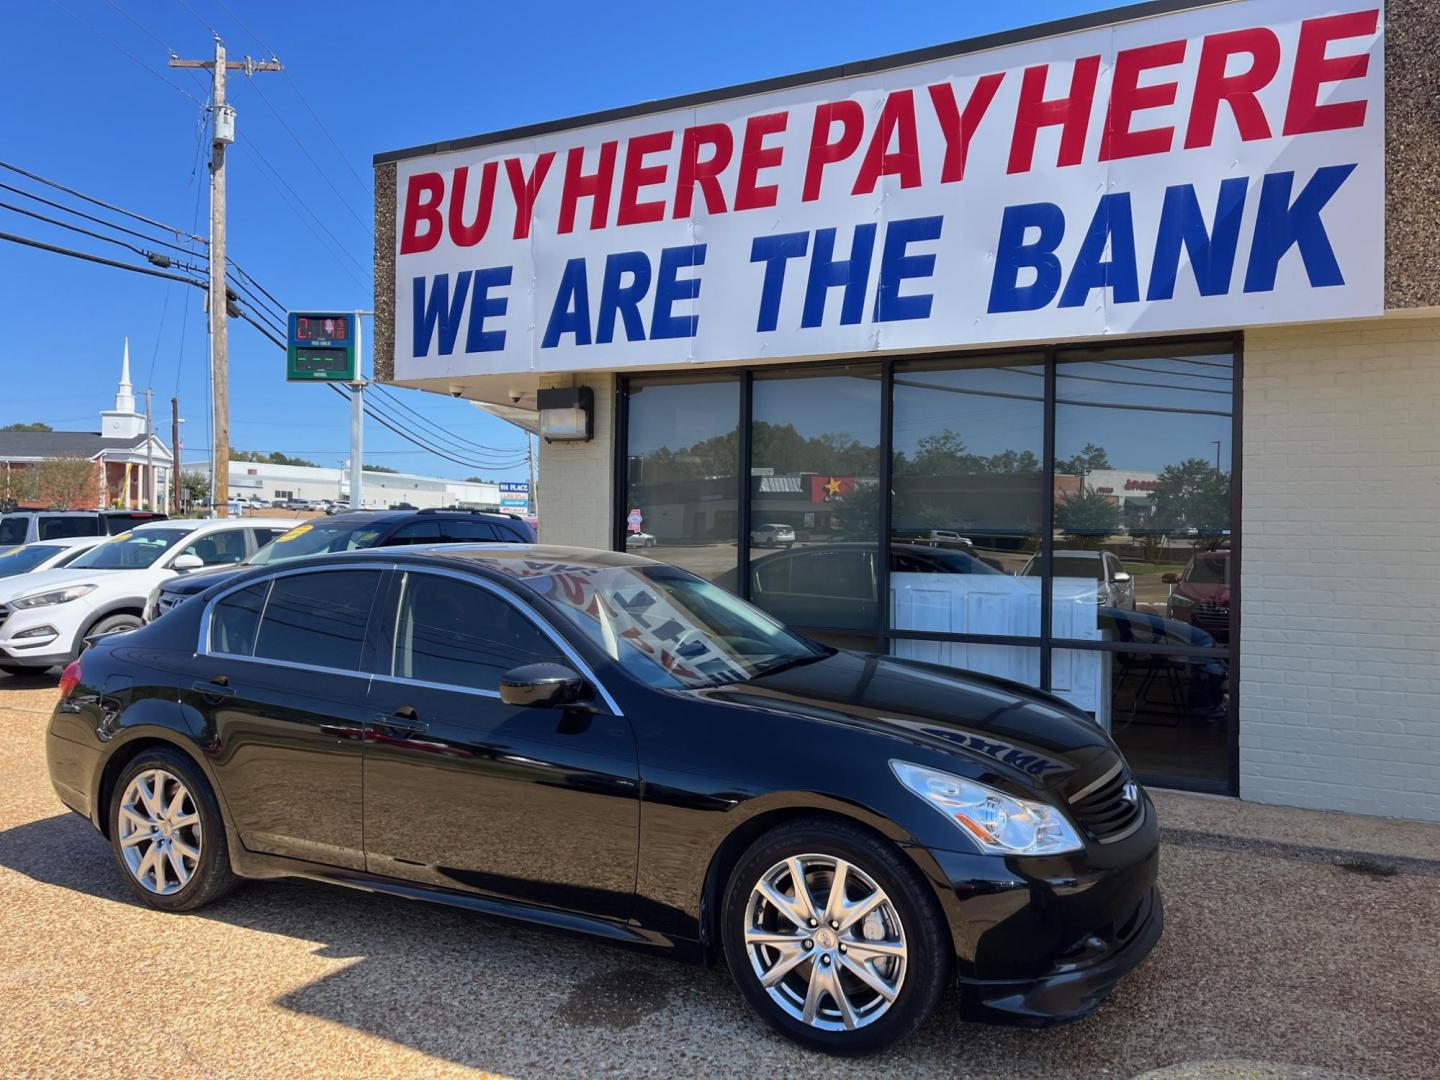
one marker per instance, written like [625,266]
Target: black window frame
[1046,641]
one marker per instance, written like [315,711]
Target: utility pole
[222,135]
[175,507]
[534,491]
[150,501]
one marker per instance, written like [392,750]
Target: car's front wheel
[832,937]
[167,834]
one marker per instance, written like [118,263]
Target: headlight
[999,823]
[60,596]
[1176,600]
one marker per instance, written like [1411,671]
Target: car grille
[1213,618]
[165,601]
[1106,809]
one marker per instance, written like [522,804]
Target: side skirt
[252,865]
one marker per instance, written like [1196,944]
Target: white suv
[45,617]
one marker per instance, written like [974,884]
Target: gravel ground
[1298,945]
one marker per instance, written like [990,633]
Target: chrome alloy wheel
[825,942]
[159,831]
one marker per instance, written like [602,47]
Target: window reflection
[1142,486]
[815,496]
[1169,714]
[682,473]
[969,490]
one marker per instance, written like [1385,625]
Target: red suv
[1200,594]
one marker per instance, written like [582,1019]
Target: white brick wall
[1340,649]
[576,478]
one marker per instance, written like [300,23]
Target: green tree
[1088,460]
[194,488]
[1088,516]
[36,426]
[68,483]
[275,457]
[379,468]
[1192,492]
[857,515]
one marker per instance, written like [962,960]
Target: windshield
[19,560]
[1209,572]
[306,540]
[672,629]
[13,529]
[130,551]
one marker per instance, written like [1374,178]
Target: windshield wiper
[793,662]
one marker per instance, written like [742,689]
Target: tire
[909,916]
[110,623]
[211,876]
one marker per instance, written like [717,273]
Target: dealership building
[1102,355]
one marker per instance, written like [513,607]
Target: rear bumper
[1072,989]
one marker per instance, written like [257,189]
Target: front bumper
[1074,988]
[1042,940]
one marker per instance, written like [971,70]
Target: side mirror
[1170,579]
[183,563]
[542,686]
[1121,577]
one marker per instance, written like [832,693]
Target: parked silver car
[772,536]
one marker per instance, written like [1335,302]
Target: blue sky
[82,108]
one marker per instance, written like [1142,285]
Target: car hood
[13,588]
[197,581]
[1032,735]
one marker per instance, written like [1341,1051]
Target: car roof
[68,541]
[511,560]
[196,524]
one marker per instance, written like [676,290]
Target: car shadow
[47,679]
[492,994]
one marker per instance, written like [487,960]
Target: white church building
[133,468]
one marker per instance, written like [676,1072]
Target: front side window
[131,551]
[470,532]
[318,618]
[462,635]
[417,532]
[224,548]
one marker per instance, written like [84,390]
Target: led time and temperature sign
[322,347]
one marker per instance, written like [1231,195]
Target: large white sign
[1219,167]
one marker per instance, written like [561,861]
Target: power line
[395,398]
[309,156]
[303,100]
[150,255]
[121,49]
[26,241]
[178,233]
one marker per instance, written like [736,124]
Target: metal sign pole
[357,425]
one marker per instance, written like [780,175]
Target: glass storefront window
[682,473]
[1142,488]
[1168,714]
[1018,663]
[969,495]
[815,496]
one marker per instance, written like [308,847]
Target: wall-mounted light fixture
[567,414]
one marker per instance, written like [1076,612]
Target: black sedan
[599,742]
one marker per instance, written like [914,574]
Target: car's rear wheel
[167,834]
[832,937]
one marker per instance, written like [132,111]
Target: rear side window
[458,532]
[234,620]
[115,524]
[264,536]
[417,532]
[53,528]
[318,618]
[223,548]
[14,529]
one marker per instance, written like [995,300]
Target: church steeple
[125,396]
[123,422]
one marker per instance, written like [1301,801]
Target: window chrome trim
[202,645]
[581,667]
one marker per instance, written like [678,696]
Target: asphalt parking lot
[1298,945]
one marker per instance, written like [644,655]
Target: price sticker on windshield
[119,538]
[299,530]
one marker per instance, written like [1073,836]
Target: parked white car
[46,617]
[1114,587]
[45,554]
[773,535]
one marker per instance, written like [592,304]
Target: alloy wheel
[159,826]
[826,942]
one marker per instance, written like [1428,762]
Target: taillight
[69,679]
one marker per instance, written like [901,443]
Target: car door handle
[217,688]
[404,718]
